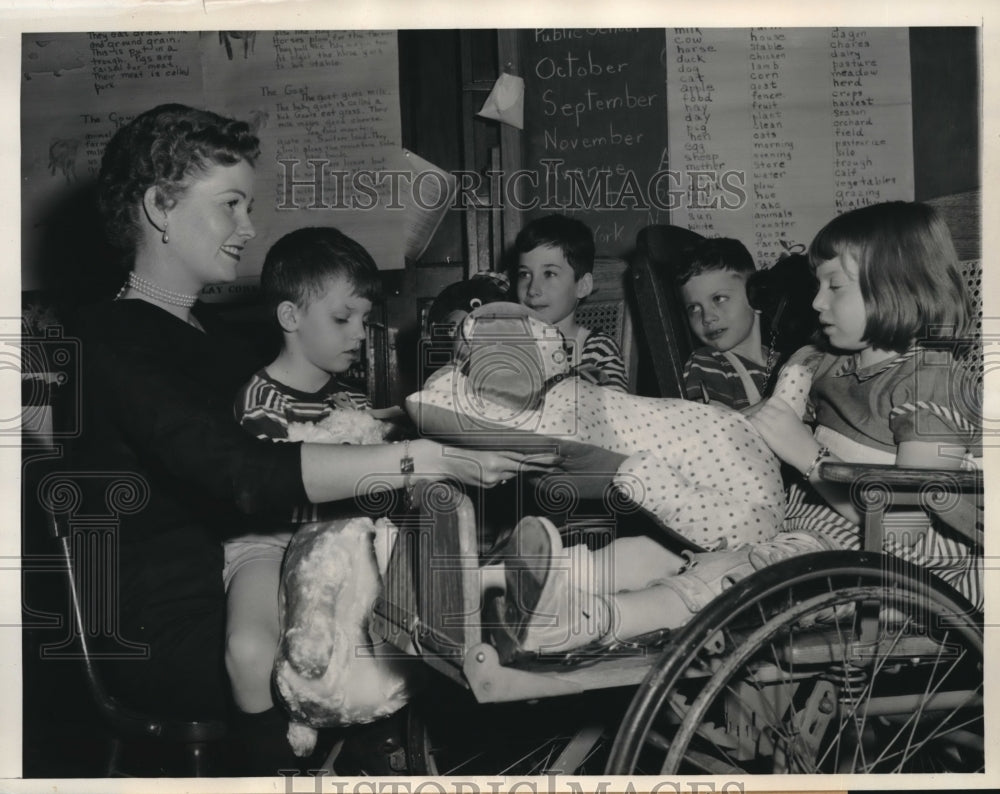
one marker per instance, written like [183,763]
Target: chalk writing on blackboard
[594,116]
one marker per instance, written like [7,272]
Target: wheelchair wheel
[451,735]
[834,662]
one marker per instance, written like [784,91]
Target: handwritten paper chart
[326,106]
[789,127]
[76,90]
[327,96]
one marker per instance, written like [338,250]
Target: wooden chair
[661,316]
[83,549]
[607,311]
[955,498]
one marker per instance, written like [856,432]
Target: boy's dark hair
[907,270]
[300,265]
[569,235]
[714,253]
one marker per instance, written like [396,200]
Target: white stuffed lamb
[327,670]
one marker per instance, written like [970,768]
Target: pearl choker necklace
[151,290]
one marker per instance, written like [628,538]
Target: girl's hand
[787,435]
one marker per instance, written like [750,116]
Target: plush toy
[701,470]
[454,302]
[327,670]
[343,426]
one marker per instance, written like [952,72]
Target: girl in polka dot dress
[701,470]
[888,278]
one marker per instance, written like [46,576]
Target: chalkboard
[595,127]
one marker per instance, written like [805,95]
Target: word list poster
[777,130]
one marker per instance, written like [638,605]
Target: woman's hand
[788,436]
[485,468]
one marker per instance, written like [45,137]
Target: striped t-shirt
[709,377]
[265,408]
[600,361]
[863,415]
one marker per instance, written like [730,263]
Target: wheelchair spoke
[912,721]
[833,671]
[857,721]
[913,745]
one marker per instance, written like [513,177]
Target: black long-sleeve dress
[157,397]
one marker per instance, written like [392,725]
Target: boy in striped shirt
[731,367]
[554,273]
[320,285]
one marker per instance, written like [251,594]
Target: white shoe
[544,611]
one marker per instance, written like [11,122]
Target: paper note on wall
[426,204]
[506,101]
[774,131]
[324,103]
[326,107]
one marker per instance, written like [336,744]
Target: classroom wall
[443,77]
[946,75]
[637,102]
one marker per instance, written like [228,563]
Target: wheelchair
[832,662]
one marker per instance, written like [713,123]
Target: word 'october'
[572,66]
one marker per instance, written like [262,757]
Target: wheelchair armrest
[953,496]
[897,477]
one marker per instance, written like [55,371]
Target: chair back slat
[607,311]
[660,313]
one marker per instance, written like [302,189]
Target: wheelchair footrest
[552,676]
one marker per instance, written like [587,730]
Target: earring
[165,237]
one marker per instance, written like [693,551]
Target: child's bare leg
[624,564]
[252,630]
[642,611]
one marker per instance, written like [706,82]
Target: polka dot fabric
[702,470]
